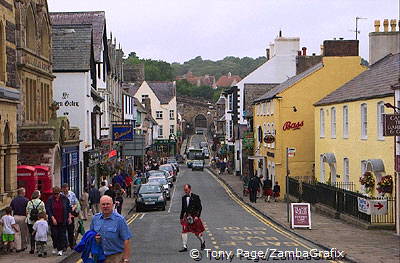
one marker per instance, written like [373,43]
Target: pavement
[23,257]
[360,245]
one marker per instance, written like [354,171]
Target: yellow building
[9,99]
[349,128]
[286,112]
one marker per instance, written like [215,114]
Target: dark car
[150,196]
[198,165]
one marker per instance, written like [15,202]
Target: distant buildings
[206,80]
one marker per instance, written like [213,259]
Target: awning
[329,158]
[375,165]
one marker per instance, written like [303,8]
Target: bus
[193,154]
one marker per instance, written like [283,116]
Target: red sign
[301,215]
[293,125]
[112,153]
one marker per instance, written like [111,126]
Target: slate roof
[288,83]
[130,88]
[71,47]
[375,82]
[165,91]
[95,18]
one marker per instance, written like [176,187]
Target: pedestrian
[277,191]
[253,187]
[84,200]
[116,244]
[41,229]
[73,202]
[119,200]
[18,206]
[110,192]
[190,217]
[94,198]
[103,188]
[128,183]
[59,216]
[104,179]
[10,227]
[33,208]
[267,189]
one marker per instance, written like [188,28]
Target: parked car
[198,165]
[174,163]
[170,168]
[163,182]
[166,174]
[150,196]
[203,144]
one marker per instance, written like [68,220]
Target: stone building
[9,98]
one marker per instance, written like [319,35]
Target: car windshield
[198,162]
[167,168]
[158,180]
[157,174]
[149,189]
[171,161]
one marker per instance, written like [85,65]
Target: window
[322,169]
[30,30]
[159,115]
[144,96]
[230,129]
[273,132]
[160,131]
[364,121]
[2,55]
[321,123]
[333,122]
[45,43]
[172,129]
[380,112]
[230,102]
[346,170]
[272,108]
[268,108]
[44,101]
[171,114]
[260,134]
[345,122]
[30,100]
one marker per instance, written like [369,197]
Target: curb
[346,257]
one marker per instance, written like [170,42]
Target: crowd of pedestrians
[259,188]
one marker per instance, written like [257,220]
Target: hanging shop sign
[300,215]
[391,125]
[293,125]
[269,138]
[122,132]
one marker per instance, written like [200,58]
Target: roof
[130,88]
[165,91]
[95,18]
[288,83]
[221,101]
[71,47]
[375,82]
[227,80]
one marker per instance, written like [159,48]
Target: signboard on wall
[134,147]
[300,215]
[122,132]
[372,207]
[391,124]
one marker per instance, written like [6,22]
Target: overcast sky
[178,30]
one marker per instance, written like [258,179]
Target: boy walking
[41,229]
[9,229]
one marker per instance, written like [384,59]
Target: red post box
[44,181]
[27,178]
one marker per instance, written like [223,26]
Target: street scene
[214,130]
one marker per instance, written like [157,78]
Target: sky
[179,30]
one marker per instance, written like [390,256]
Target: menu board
[300,215]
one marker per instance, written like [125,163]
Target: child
[9,229]
[41,229]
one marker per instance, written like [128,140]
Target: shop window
[364,121]
[2,54]
[333,122]
[30,34]
[345,122]
[379,121]
[321,123]
[160,131]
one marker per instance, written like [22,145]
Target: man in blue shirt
[74,204]
[112,231]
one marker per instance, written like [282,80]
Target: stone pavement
[23,257]
[360,245]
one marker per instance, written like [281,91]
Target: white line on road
[142,216]
[172,197]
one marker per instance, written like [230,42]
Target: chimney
[393,23]
[340,48]
[280,33]
[304,49]
[386,25]
[377,25]
[299,53]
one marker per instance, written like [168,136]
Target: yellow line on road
[253,212]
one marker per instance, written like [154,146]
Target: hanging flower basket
[368,181]
[385,185]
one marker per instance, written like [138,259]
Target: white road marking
[142,216]
[173,193]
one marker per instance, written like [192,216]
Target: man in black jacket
[190,217]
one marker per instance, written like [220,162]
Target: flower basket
[368,181]
[385,185]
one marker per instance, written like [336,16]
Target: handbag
[190,220]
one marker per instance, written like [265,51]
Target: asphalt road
[232,229]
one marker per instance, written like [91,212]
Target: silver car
[163,182]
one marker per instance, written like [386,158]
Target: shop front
[70,168]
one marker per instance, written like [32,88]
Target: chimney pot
[393,23]
[299,53]
[322,49]
[386,25]
[341,38]
[313,54]
[377,25]
[304,49]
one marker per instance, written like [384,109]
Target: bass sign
[293,125]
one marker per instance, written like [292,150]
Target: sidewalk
[24,256]
[360,245]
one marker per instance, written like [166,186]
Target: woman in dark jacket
[59,213]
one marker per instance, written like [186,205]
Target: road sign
[300,215]
[363,205]
[291,152]
[378,207]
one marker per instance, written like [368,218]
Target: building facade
[285,113]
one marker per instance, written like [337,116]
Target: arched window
[6,134]
[30,30]
[260,134]
[2,54]
[45,43]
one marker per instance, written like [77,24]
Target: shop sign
[293,125]
[372,207]
[269,138]
[391,125]
[300,215]
[112,154]
[270,154]
[122,132]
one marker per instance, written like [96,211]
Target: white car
[162,181]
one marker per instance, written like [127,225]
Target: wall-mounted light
[294,109]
